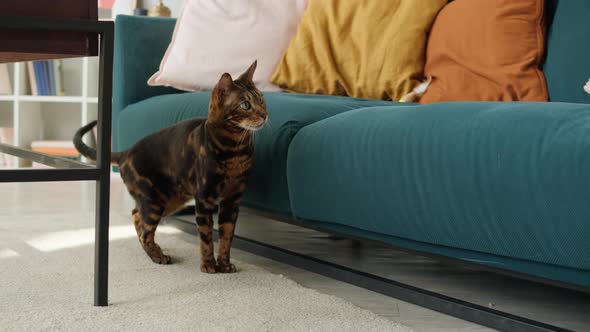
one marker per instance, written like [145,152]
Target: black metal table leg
[75,171]
[103,163]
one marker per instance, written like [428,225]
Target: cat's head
[238,104]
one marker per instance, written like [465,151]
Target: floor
[76,199]
[46,274]
[555,306]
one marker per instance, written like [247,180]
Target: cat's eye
[245,105]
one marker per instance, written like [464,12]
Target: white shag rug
[46,285]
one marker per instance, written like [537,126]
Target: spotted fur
[208,159]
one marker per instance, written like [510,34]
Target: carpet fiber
[46,274]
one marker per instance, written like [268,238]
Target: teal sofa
[503,185]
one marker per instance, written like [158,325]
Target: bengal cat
[208,159]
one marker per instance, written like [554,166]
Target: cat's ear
[225,84]
[248,75]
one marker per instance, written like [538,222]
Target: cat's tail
[86,150]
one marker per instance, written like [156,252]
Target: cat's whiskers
[243,136]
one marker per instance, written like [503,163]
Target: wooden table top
[27,45]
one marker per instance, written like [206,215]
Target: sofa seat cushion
[509,179]
[288,113]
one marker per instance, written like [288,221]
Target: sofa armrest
[140,44]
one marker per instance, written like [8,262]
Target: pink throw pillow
[216,36]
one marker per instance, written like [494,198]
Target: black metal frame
[439,257]
[73,170]
[190,210]
[435,301]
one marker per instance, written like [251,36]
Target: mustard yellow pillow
[359,48]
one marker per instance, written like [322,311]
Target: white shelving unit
[50,117]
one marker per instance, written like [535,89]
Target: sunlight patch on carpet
[7,253]
[80,237]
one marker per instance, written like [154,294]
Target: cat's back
[171,136]
[158,147]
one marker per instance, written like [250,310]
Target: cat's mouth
[255,127]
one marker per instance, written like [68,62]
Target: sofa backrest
[140,44]
[567,62]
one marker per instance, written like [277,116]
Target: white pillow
[212,37]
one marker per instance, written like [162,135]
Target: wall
[124,6]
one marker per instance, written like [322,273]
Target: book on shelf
[95,135]
[7,160]
[51,77]
[32,78]
[5,85]
[56,148]
[58,77]
[46,78]
[38,72]
[64,149]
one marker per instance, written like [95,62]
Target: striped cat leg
[146,220]
[204,211]
[228,215]
[136,222]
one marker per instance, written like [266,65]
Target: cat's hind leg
[146,218]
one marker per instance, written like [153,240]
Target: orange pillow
[488,50]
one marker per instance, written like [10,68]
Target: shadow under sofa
[501,184]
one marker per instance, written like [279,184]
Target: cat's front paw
[208,267]
[226,268]
[155,253]
[162,259]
